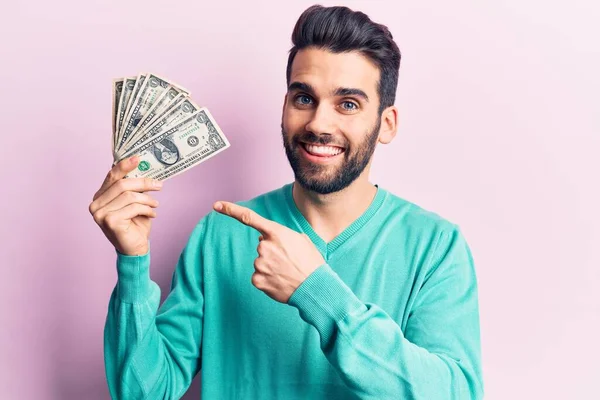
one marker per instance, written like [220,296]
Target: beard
[324,179]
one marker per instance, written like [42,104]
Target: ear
[389,125]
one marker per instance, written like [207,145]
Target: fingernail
[135,159]
[156,183]
[218,206]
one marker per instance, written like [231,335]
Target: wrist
[139,251]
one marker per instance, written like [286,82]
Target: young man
[327,288]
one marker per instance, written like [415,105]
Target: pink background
[499,132]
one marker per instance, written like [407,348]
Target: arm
[152,354]
[438,354]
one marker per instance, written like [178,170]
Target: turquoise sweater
[393,314]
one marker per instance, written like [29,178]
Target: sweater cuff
[133,272]
[323,300]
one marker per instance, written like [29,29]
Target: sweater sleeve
[153,353]
[438,354]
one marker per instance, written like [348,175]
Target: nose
[322,121]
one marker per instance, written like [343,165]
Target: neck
[330,214]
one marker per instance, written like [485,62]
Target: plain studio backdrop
[499,132]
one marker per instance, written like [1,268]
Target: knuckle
[91,208]
[121,165]
[130,196]
[266,248]
[110,221]
[256,281]
[97,217]
[246,217]
[121,184]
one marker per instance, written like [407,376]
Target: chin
[316,183]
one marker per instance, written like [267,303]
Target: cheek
[293,120]
[354,133]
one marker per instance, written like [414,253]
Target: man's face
[168,157]
[330,122]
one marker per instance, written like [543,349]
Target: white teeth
[323,150]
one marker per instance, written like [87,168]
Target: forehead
[325,71]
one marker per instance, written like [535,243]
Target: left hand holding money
[285,257]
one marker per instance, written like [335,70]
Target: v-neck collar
[325,248]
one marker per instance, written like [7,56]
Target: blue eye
[349,106]
[303,99]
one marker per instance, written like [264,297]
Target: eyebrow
[351,92]
[301,86]
[305,87]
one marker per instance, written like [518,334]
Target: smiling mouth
[322,150]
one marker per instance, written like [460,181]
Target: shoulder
[427,233]
[423,230]
[411,217]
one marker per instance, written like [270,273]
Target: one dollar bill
[126,91]
[180,111]
[117,90]
[167,100]
[175,150]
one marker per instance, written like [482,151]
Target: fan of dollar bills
[157,120]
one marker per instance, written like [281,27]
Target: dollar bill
[164,103]
[172,98]
[185,145]
[144,134]
[180,111]
[139,82]
[117,89]
[150,91]
[128,86]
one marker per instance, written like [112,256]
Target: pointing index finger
[246,216]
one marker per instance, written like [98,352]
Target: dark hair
[339,30]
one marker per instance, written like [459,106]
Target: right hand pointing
[123,211]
